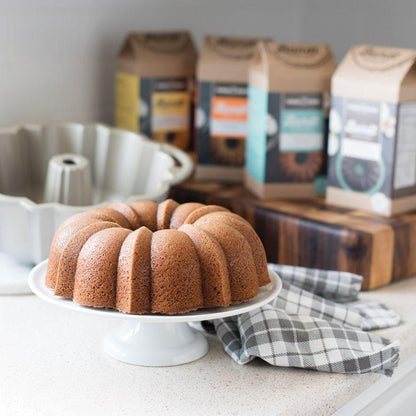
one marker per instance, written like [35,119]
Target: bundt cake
[163,258]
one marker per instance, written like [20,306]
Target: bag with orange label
[154,83]
[221,117]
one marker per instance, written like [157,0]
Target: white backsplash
[57,56]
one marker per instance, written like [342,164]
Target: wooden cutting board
[311,234]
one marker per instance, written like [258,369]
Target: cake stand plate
[13,276]
[153,339]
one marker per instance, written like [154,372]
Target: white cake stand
[151,339]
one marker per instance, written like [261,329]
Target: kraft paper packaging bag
[372,141]
[154,86]
[221,116]
[289,87]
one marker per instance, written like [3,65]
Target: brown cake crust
[128,213]
[133,274]
[235,221]
[181,213]
[164,213]
[147,211]
[204,210]
[214,272]
[65,276]
[176,277]
[60,241]
[103,214]
[96,274]
[240,263]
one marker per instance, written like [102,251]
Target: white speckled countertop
[51,363]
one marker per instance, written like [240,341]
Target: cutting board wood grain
[312,234]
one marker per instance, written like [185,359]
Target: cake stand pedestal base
[155,340]
[155,344]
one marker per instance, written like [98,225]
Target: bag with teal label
[288,113]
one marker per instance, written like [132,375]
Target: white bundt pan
[125,166]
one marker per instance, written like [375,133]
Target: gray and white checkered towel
[307,326]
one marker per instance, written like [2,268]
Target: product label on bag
[372,147]
[229,111]
[361,137]
[127,96]
[222,115]
[302,122]
[159,108]
[170,108]
[286,136]
[257,133]
[361,145]
[405,166]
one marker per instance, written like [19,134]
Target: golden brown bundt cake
[164,213]
[181,213]
[96,274]
[248,232]
[128,212]
[200,212]
[60,240]
[147,212]
[157,258]
[64,285]
[213,264]
[175,271]
[103,214]
[240,263]
[133,274]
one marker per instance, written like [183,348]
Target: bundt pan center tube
[69,180]
[165,258]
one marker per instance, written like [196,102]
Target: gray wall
[57,56]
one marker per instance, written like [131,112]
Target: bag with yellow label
[154,82]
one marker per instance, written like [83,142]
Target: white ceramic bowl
[125,166]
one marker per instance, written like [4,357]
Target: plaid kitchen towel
[308,326]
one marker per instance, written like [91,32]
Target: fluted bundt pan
[96,164]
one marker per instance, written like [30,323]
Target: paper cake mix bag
[154,84]
[221,116]
[288,100]
[372,142]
